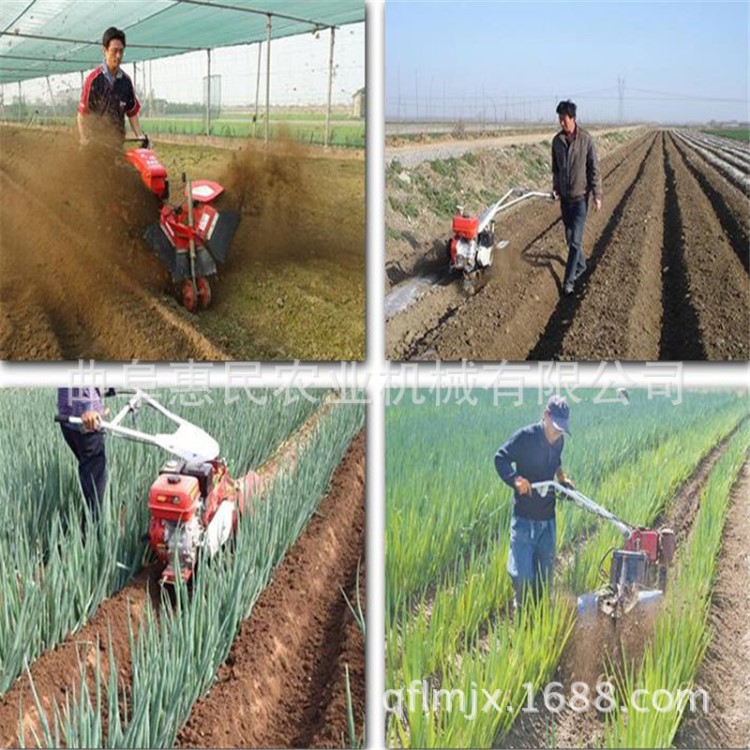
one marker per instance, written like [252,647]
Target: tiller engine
[637,572]
[471,248]
[191,236]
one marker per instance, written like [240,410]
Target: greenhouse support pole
[135,77]
[208,95]
[52,98]
[268,77]
[20,109]
[257,91]
[327,141]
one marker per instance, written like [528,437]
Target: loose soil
[57,672]
[283,684]
[584,658]
[667,274]
[78,281]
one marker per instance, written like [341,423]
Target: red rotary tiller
[194,503]
[191,237]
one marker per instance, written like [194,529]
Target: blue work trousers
[88,448]
[531,560]
[574,220]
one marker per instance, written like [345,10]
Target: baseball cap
[559,410]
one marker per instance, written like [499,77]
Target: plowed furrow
[285,671]
[709,272]
[596,323]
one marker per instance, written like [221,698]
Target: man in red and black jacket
[109,93]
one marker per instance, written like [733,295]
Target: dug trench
[591,646]
[283,684]
[56,673]
[77,279]
[665,280]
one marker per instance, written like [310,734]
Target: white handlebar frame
[503,204]
[584,502]
[188,441]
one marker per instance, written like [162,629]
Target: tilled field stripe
[197,345]
[620,315]
[681,332]
[725,668]
[565,313]
[710,284]
[716,188]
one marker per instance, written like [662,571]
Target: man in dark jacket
[108,94]
[86,441]
[575,176]
[536,451]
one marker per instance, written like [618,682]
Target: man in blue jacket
[536,451]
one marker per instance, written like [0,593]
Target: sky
[299,73]
[678,61]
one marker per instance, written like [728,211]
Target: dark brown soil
[78,281]
[57,672]
[725,671]
[667,277]
[283,683]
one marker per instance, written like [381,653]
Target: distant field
[739,134]
[308,128]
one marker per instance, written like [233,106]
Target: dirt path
[56,671]
[667,276]
[725,670]
[283,683]
[584,656]
[412,154]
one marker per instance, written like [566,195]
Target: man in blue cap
[536,451]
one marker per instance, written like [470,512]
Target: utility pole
[398,100]
[621,96]
[416,89]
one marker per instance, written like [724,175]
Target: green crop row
[175,656]
[738,134]
[681,634]
[343,133]
[56,566]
